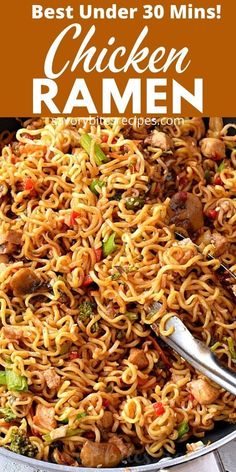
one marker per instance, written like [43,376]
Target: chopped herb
[109,246]
[207,176]
[109,388]
[8,414]
[215,346]
[131,315]
[85,310]
[96,183]
[135,203]
[221,167]
[183,429]
[86,142]
[232,351]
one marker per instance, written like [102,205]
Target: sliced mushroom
[139,358]
[186,211]
[24,281]
[100,455]
[106,422]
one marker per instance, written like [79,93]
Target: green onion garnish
[86,142]
[183,429]
[215,346]
[221,167]
[230,342]
[109,246]
[96,183]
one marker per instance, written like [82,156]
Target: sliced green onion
[96,183]
[16,382]
[86,142]
[81,415]
[109,246]
[73,432]
[131,315]
[215,346]
[207,176]
[183,429]
[3,380]
[64,421]
[221,167]
[230,342]
[64,434]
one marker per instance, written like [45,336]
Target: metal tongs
[197,354]
[193,350]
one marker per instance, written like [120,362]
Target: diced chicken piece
[126,449]
[45,417]
[203,392]
[220,243]
[205,238]
[106,422]
[176,377]
[160,140]
[12,333]
[213,148]
[138,357]
[59,432]
[100,455]
[9,241]
[4,259]
[7,248]
[24,281]
[52,379]
[186,211]
[63,458]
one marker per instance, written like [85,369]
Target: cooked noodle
[78,358]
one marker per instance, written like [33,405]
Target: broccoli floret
[8,414]
[21,444]
[85,310]
[135,203]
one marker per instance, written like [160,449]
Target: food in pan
[88,261]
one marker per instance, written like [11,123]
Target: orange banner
[123,58]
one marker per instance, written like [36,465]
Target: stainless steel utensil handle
[199,355]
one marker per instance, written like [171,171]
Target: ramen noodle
[89,259]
